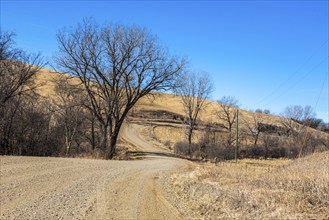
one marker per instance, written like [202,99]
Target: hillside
[46,79]
[154,183]
[164,114]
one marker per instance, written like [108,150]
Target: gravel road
[66,188]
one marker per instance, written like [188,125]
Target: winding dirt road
[65,188]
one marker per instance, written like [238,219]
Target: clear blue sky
[268,54]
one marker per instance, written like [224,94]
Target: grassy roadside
[256,189]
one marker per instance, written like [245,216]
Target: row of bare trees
[113,66]
[290,136]
[116,65]
[23,125]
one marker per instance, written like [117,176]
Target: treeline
[113,66]
[34,125]
[258,137]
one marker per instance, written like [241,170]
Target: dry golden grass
[46,80]
[173,134]
[254,189]
[172,103]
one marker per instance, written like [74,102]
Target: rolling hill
[165,114]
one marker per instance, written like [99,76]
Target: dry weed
[254,189]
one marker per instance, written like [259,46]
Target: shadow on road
[139,155]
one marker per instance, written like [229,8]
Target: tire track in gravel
[67,188]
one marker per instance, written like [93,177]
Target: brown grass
[173,134]
[254,189]
[46,80]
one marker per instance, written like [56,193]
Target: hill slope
[165,114]
[46,79]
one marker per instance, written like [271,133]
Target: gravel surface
[67,188]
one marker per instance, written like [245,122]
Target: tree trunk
[68,146]
[104,144]
[256,139]
[112,147]
[93,135]
[115,135]
[189,136]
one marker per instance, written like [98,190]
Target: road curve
[67,188]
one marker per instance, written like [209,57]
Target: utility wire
[292,75]
[324,81]
[293,85]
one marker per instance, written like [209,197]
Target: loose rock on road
[67,188]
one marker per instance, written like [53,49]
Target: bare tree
[17,68]
[297,122]
[227,114]
[69,110]
[254,126]
[194,89]
[298,113]
[117,65]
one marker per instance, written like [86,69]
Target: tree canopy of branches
[16,68]
[18,103]
[69,109]
[194,89]
[227,114]
[117,65]
[298,113]
[254,126]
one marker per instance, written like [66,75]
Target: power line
[293,85]
[292,75]
[323,83]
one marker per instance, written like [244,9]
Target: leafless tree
[298,113]
[69,108]
[17,68]
[195,89]
[226,113]
[117,65]
[254,126]
[298,120]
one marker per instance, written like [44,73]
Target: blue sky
[267,54]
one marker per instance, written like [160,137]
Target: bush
[220,151]
[254,151]
[260,152]
[277,152]
[183,147]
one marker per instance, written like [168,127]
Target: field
[162,187]
[155,185]
[256,189]
[150,182]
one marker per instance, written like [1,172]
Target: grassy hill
[46,80]
[164,113]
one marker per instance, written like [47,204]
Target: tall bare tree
[254,126]
[69,108]
[297,121]
[227,114]
[117,65]
[17,68]
[195,89]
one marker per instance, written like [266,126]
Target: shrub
[183,147]
[254,151]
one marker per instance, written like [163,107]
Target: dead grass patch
[255,189]
[173,134]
